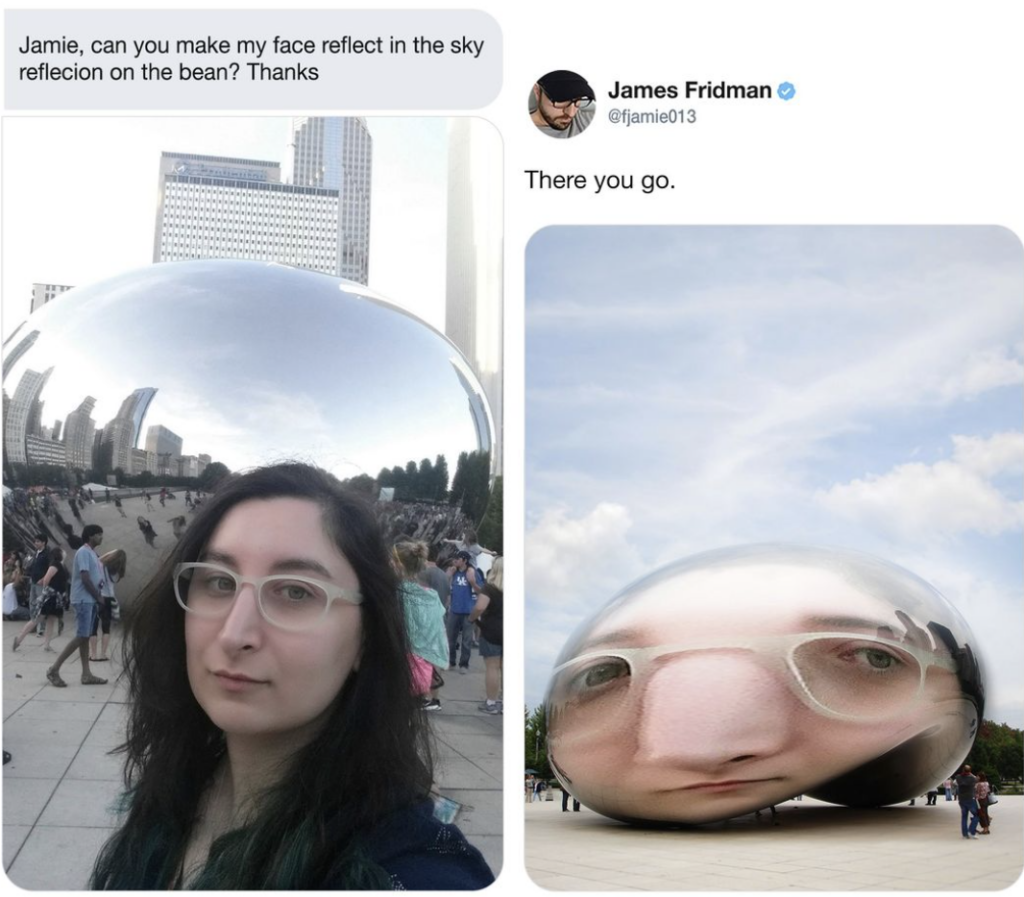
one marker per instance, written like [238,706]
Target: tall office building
[337,153]
[214,207]
[79,430]
[24,414]
[121,434]
[474,277]
[166,446]
[46,292]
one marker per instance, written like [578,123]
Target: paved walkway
[59,790]
[816,847]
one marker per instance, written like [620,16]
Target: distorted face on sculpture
[725,689]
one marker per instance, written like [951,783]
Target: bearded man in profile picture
[562,104]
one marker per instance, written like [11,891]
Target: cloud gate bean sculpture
[739,678]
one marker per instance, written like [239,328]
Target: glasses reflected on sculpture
[838,674]
[289,602]
[753,674]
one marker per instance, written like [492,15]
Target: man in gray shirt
[965,785]
[562,104]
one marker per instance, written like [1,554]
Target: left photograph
[252,497]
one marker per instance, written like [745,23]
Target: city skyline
[97,206]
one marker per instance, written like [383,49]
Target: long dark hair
[370,757]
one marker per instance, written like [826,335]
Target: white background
[906,112]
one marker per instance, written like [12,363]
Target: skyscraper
[337,153]
[79,429]
[225,207]
[474,276]
[121,434]
[46,292]
[166,445]
[218,207]
[24,414]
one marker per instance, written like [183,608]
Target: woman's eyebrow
[297,565]
[285,565]
[618,638]
[841,622]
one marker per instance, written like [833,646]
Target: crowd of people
[312,645]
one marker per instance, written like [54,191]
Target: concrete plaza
[815,847]
[62,785]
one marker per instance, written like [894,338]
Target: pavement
[815,847]
[60,789]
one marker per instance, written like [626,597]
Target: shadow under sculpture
[738,678]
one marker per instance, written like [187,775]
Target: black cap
[562,85]
[464,556]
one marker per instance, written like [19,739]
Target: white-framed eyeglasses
[842,675]
[286,601]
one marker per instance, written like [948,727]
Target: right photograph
[773,558]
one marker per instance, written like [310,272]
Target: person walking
[983,792]
[51,606]
[947,786]
[86,576]
[966,785]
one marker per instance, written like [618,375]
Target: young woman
[488,613]
[424,620]
[114,563]
[739,678]
[55,583]
[274,740]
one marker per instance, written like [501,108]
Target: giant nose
[708,710]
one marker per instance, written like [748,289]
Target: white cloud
[569,560]
[984,370]
[942,499]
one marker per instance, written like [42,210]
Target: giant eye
[599,674]
[875,658]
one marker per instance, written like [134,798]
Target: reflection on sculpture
[735,679]
[171,367]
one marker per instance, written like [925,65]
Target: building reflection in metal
[736,679]
[173,366]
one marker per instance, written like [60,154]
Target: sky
[80,199]
[691,388]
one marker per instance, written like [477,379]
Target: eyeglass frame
[773,646]
[332,591]
[578,102]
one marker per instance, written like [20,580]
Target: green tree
[537,742]
[440,491]
[212,474]
[364,484]
[491,530]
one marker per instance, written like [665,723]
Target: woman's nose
[243,626]
[707,710]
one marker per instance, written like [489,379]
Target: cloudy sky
[80,198]
[692,388]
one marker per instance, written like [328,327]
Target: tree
[537,742]
[440,492]
[491,531]
[471,484]
[212,474]
[364,484]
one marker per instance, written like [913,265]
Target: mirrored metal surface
[175,366]
[736,679]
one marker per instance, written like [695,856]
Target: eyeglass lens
[854,677]
[285,602]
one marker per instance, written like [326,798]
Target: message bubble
[251,59]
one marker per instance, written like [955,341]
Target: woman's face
[252,678]
[706,734]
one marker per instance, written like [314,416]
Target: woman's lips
[725,785]
[236,681]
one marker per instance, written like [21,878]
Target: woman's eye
[293,592]
[874,659]
[217,584]
[600,674]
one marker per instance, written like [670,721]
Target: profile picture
[562,104]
